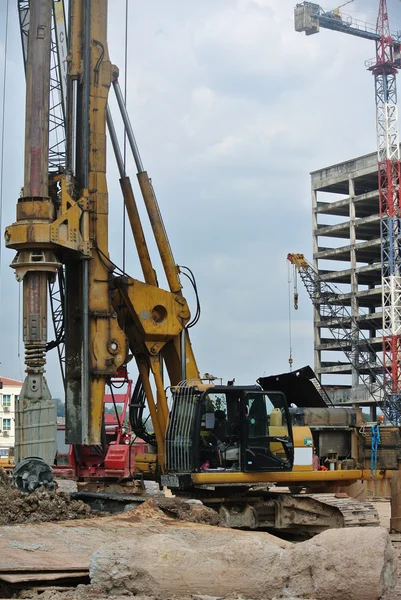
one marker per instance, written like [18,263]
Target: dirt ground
[184,511]
[40,506]
[90,592]
[43,506]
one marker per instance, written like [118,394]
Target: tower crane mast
[308,18]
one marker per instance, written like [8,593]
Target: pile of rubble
[40,506]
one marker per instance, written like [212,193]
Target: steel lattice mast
[385,72]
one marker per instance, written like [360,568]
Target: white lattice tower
[385,71]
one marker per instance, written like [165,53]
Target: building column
[354,283]
[316,310]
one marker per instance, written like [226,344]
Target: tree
[60,407]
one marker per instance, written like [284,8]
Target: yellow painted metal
[378,488]
[58,8]
[76,23]
[156,312]
[7,463]
[171,355]
[148,271]
[156,420]
[303,439]
[36,210]
[287,478]
[301,436]
[298,260]
[145,463]
[28,235]
[97,405]
[166,255]
[38,225]
[70,229]
[108,345]
[162,407]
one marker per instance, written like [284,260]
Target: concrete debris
[192,512]
[40,506]
[165,561]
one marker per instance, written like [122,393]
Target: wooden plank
[25,577]
[44,570]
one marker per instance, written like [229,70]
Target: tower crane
[309,17]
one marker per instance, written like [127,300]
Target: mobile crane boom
[343,325]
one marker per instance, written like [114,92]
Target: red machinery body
[114,460]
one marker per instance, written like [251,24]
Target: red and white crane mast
[389,169]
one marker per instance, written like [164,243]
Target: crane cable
[345,3]
[289,280]
[125,132]
[2,135]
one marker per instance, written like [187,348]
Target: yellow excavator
[7,458]
[224,444]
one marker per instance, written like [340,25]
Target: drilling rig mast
[62,219]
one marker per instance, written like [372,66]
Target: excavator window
[219,446]
[228,429]
[268,445]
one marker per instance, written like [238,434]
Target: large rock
[167,558]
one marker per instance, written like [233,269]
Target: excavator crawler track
[300,514]
[303,514]
[355,512]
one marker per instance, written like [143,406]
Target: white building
[9,394]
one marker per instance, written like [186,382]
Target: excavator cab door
[268,442]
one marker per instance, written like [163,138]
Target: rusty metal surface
[378,488]
[37,100]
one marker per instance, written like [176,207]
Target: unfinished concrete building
[347,254]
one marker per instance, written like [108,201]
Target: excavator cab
[268,443]
[226,429]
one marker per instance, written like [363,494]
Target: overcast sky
[231,109]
